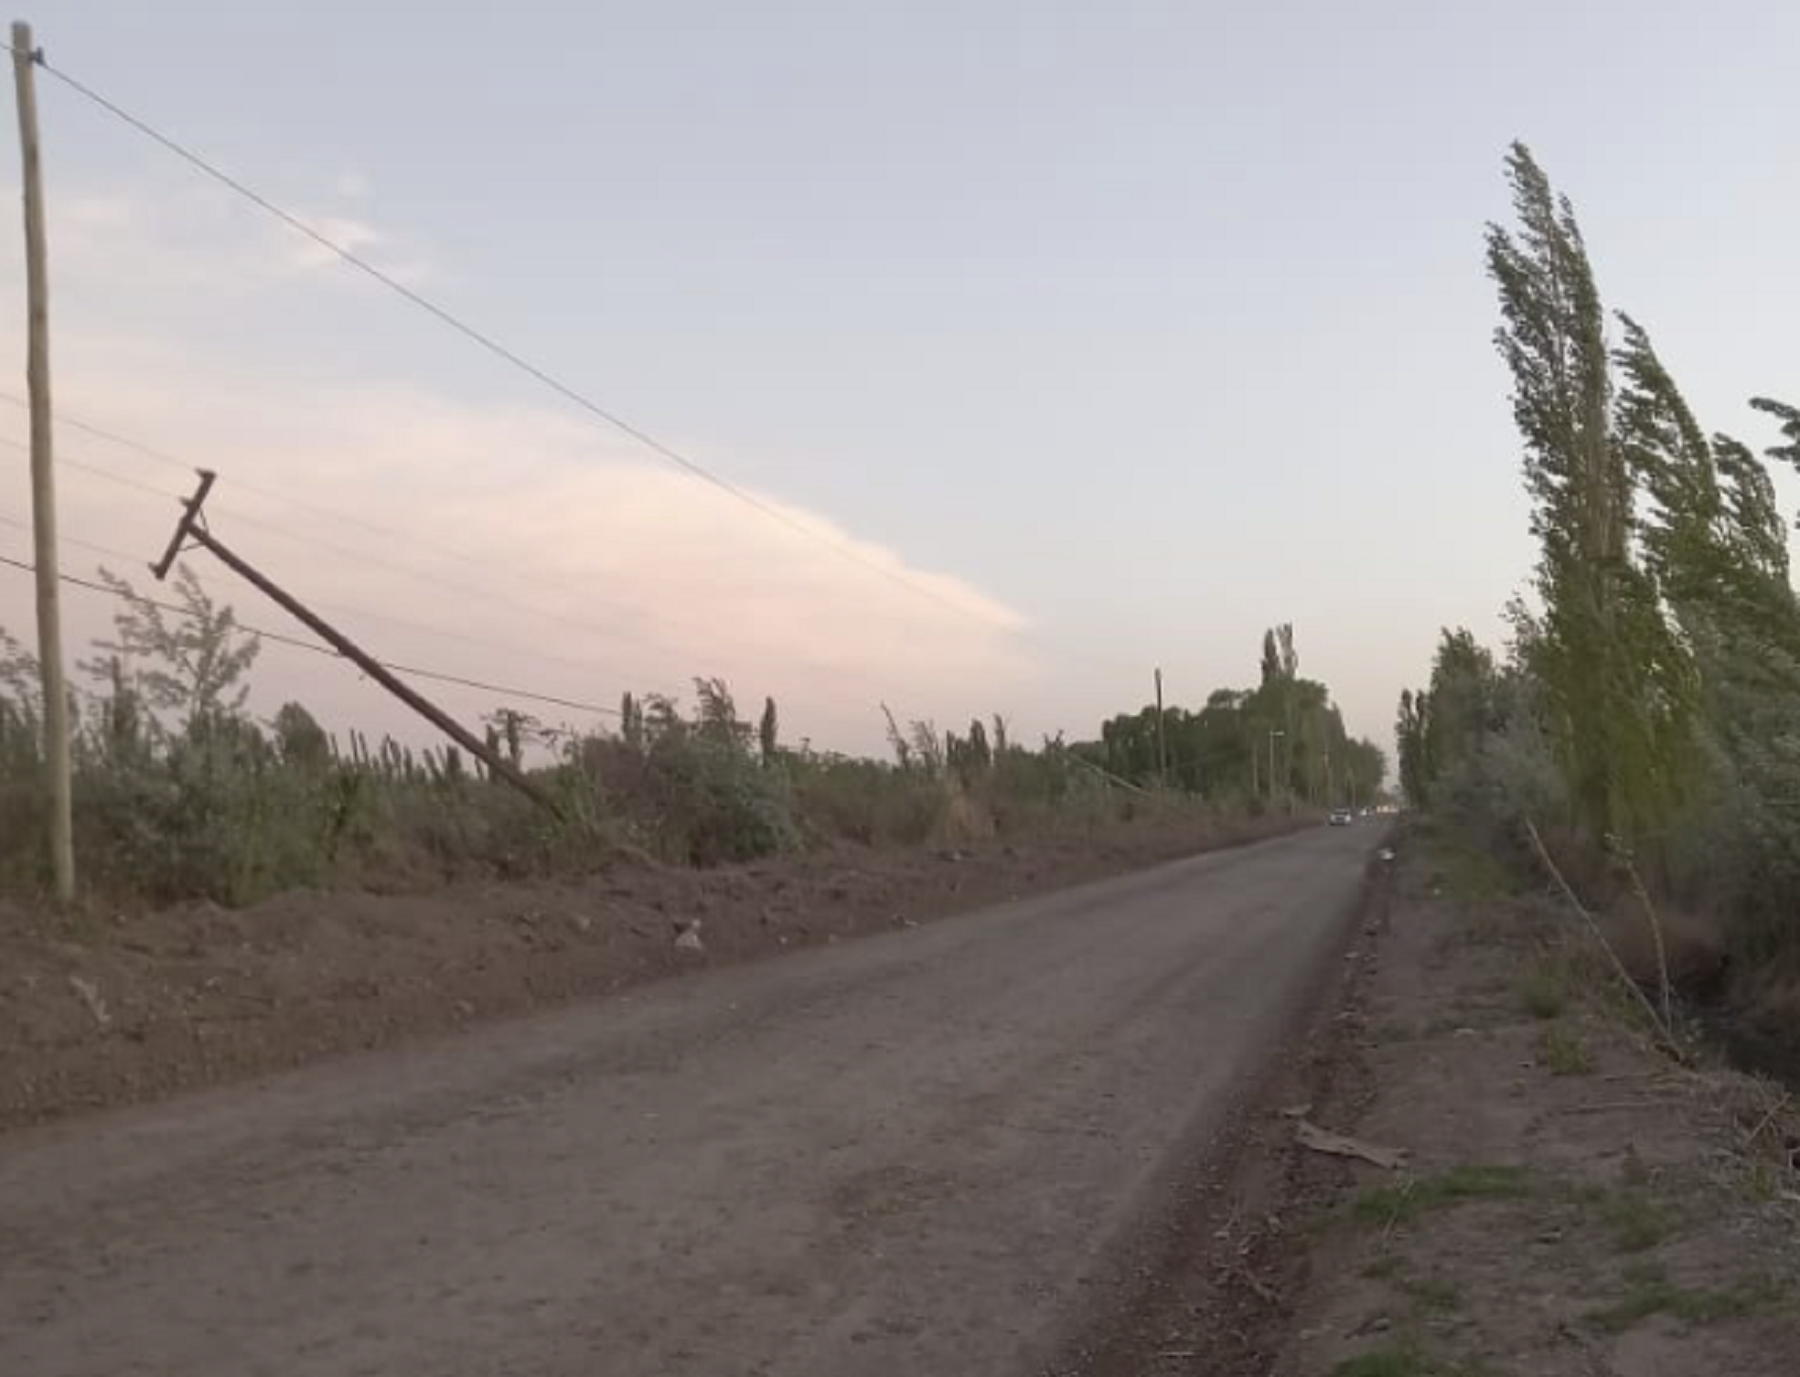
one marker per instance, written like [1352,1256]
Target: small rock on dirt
[687,937]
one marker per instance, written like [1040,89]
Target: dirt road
[912,1154]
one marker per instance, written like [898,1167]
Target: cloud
[352,185]
[98,214]
[520,547]
[516,543]
[356,237]
[142,240]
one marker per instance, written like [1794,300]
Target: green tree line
[1283,740]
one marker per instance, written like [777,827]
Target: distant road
[906,1155]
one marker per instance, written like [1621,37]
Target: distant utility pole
[1162,740]
[43,476]
[192,526]
[1273,733]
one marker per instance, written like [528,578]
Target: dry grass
[1562,1052]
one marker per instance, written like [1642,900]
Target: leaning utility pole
[43,477]
[192,526]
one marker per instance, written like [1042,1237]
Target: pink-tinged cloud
[517,543]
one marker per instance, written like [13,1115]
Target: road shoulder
[1571,1200]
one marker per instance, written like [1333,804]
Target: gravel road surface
[914,1154]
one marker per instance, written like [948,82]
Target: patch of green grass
[1543,993]
[1439,1294]
[1652,1293]
[1403,1358]
[1763,1183]
[1562,1053]
[1390,1360]
[1409,1199]
[1467,873]
[1637,1221]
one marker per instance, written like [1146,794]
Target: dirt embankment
[1570,1200]
[110,1010]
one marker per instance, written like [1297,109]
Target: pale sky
[1130,329]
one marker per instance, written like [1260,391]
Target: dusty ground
[928,1152]
[1573,1202]
[110,1010]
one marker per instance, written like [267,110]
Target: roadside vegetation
[1568,1199]
[180,792]
[1641,730]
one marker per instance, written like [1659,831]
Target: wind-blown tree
[768,732]
[192,665]
[1473,746]
[1789,417]
[1712,536]
[1714,539]
[1411,742]
[1618,683]
[1462,694]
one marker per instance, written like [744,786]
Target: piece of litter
[1310,1135]
[90,996]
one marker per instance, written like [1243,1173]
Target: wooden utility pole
[1162,741]
[192,526]
[43,476]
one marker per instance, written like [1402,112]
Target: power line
[62,418]
[341,609]
[330,514]
[161,456]
[483,594]
[374,561]
[493,346]
[188,467]
[76,541]
[119,478]
[438,676]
